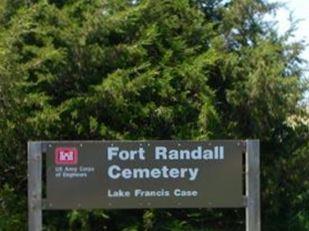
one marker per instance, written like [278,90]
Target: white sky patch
[300,11]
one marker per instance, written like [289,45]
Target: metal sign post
[175,172]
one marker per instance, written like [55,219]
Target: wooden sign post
[35,186]
[171,173]
[253,212]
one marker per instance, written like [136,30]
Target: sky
[300,11]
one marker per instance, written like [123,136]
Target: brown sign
[144,174]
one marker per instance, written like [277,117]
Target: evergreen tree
[208,69]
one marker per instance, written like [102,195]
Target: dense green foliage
[164,69]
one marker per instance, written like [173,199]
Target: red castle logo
[66,155]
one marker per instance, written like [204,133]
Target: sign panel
[144,174]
